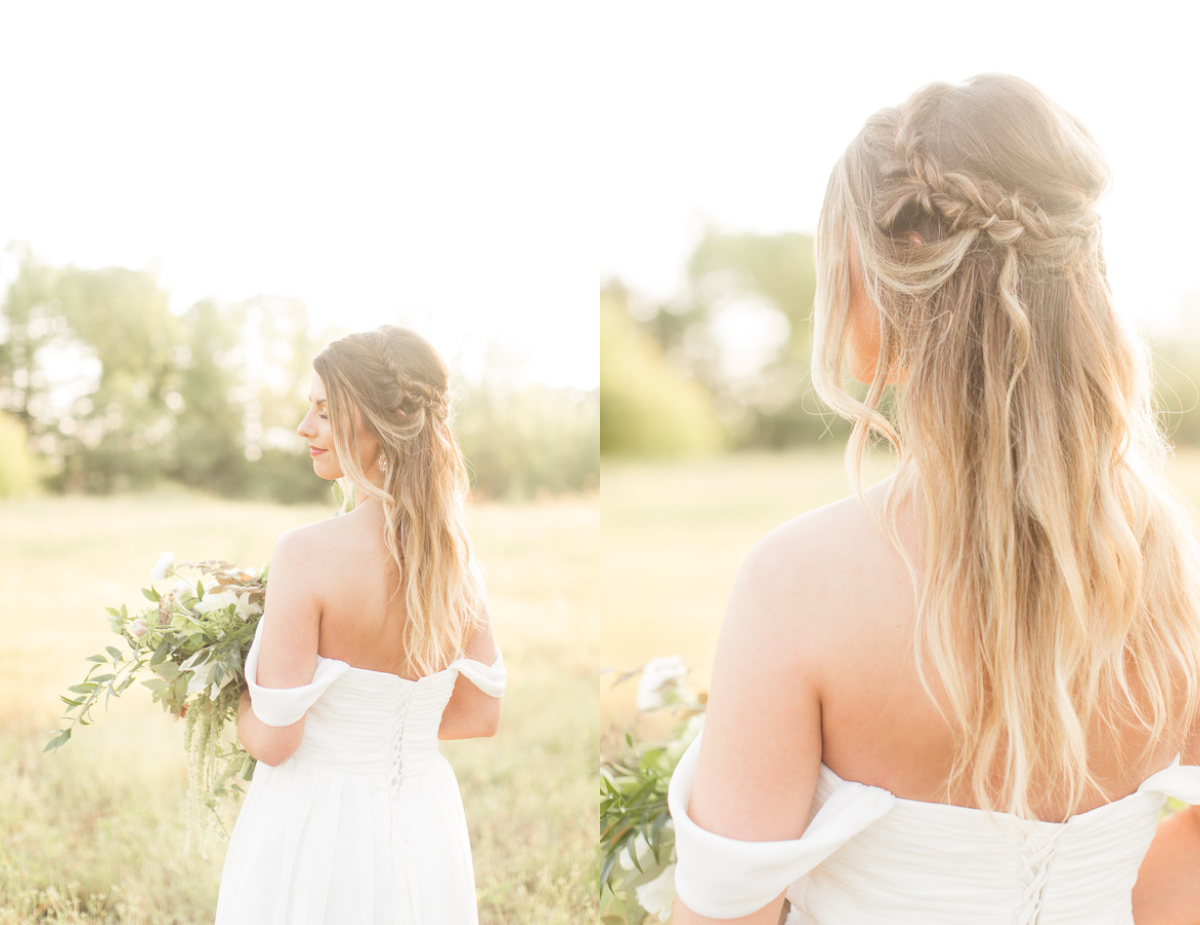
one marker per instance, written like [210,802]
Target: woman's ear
[915,238]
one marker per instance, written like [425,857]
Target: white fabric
[871,858]
[363,824]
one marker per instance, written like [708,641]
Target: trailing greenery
[189,649]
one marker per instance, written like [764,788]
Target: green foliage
[637,837]
[520,441]
[762,286]
[116,392]
[18,469]
[193,645]
[646,407]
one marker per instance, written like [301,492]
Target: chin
[327,472]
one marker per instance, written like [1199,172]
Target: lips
[317,450]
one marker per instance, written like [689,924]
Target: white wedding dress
[363,824]
[871,858]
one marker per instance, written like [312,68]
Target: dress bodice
[870,857]
[363,823]
[366,722]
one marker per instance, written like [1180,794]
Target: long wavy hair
[398,384]
[1057,584]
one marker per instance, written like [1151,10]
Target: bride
[965,694]
[375,643]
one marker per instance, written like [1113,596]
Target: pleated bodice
[871,857]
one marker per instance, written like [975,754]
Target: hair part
[1058,588]
[398,385]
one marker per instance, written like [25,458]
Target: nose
[306,430]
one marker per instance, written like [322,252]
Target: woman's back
[828,728]
[362,616]
[878,724]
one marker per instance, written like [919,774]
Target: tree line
[103,388]
[723,363]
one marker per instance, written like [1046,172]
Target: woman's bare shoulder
[819,576]
[824,544]
[313,554]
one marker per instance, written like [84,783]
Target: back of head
[398,385]
[1059,587]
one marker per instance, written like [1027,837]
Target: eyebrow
[319,402]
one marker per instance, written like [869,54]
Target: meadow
[94,833]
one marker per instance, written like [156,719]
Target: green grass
[94,833]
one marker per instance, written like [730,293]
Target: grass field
[94,833]
[673,536]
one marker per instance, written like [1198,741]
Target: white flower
[677,747]
[162,566]
[659,673]
[658,896]
[638,848]
[218,601]
[138,627]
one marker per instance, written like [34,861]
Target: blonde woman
[375,643]
[965,694]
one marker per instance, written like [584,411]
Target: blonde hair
[398,384]
[1058,585]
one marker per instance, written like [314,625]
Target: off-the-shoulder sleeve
[488,678]
[282,706]
[724,878]
[1180,781]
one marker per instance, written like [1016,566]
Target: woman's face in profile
[318,431]
[315,428]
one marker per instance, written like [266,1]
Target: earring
[381,462]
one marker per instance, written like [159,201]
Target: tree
[646,407]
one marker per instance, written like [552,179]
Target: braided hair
[1059,571]
[399,385]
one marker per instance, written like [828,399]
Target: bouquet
[189,648]
[637,841]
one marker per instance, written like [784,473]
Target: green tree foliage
[115,391]
[646,406]
[207,448]
[18,469]
[742,326]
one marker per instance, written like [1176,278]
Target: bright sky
[419,167]
[735,113]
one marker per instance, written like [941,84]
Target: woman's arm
[761,748]
[471,713]
[288,653]
[1168,885]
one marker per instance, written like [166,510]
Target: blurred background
[193,203]
[721,127]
